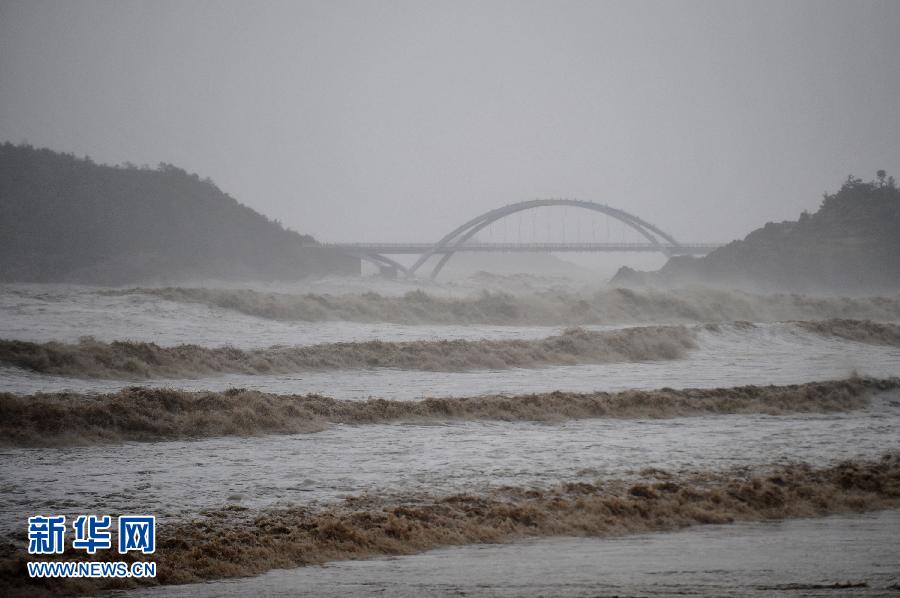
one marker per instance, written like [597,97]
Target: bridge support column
[389,272]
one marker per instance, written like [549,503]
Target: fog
[717,346]
[356,121]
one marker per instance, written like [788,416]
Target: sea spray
[873,333]
[544,307]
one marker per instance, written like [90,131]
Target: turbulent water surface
[411,458]
[733,355]
[853,555]
[178,479]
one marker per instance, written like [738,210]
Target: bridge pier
[389,272]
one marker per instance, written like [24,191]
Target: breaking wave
[162,414]
[548,307]
[237,542]
[96,359]
[873,333]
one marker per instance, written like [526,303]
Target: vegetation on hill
[852,243]
[67,219]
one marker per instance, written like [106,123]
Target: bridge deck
[420,248]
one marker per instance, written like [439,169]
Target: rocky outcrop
[852,244]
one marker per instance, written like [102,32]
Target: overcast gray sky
[398,120]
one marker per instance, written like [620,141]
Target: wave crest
[865,331]
[161,414]
[241,542]
[549,307]
[119,359]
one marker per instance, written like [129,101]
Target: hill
[67,219]
[851,244]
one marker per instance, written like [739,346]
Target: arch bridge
[459,239]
